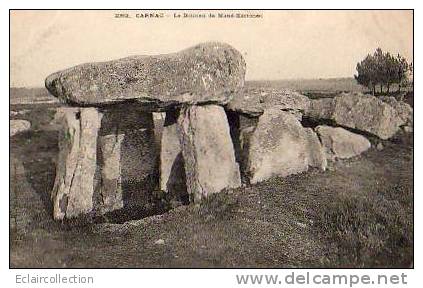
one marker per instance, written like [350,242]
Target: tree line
[384,70]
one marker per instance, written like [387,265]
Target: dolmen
[217,133]
[107,152]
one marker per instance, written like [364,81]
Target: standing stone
[207,150]
[128,157]
[73,189]
[317,154]
[172,171]
[340,143]
[158,118]
[280,146]
[111,173]
[241,127]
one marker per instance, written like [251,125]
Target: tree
[366,75]
[382,69]
[389,71]
[403,70]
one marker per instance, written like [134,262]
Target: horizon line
[249,80]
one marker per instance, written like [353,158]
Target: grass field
[312,85]
[358,213]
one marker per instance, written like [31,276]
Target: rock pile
[215,132]
[270,139]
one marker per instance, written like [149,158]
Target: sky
[278,45]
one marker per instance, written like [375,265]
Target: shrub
[370,230]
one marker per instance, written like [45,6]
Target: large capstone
[280,146]
[358,111]
[206,73]
[207,151]
[74,186]
[341,143]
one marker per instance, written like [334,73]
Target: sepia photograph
[211,139]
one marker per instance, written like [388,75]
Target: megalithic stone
[340,143]
[208,73]
[111,172]
[358,111]
[317,155]
[241,127]
[281,146]
[73,190]
[207,150]
[172,170]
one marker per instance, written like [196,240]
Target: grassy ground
[359,213]
[314,85]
